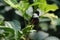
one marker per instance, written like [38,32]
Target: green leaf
[7,34]
[26,30]
[52,7]
[25,0]
[46,7]
[43,5]
[14,1]
[24,5]
[13,26]
[1,19]
[13,5]
[44,26]
[52,17]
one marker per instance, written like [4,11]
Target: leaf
[58,21]
[52,7]
[1,31]
[52,38]
[52,17]
[44,26]
[42,4]
[15,25]
[1,19]
[13,5]
[7,34]
[25,0]
[14,1]
[24,5]
[26,30]
[29,11]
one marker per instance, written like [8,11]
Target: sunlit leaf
[50,15]
[42,4]
[52,7]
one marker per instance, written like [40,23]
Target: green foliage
[42,4]
[24,5]
[10,30]
[26,30]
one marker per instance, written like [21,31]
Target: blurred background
[9,14]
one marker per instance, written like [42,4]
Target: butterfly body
[35,21]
